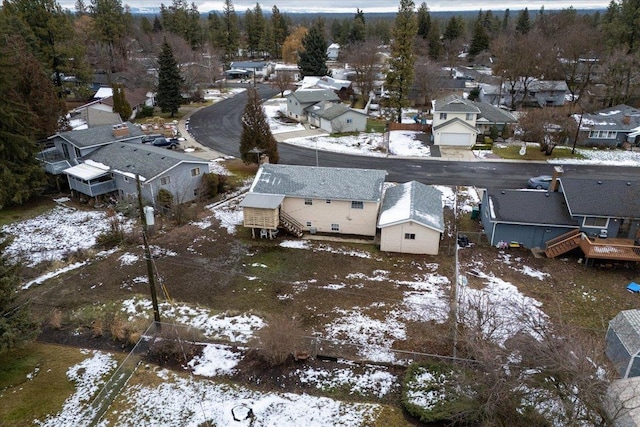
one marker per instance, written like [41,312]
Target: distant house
[298,101]
[336,117]
[610,127]
[342,88]
[411,219]
[289,71]
[252,68]
[623,343]
[454,122]
[333,51]
[539,93]
[314,200]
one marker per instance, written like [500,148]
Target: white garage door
[457,139]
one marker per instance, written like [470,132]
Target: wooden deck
[610,248]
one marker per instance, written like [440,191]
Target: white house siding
[426,242]
[455,134]
[358,123]
[322,215]
[450,116]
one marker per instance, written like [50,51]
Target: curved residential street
[219,126]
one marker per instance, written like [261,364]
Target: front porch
[90,180]
[53,160]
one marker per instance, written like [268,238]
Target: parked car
[170,143]
[147,139]
[541,182]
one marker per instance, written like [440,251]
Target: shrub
[165,198]
[98,328]
[174,346]
[210,182]
[146,111]
[55,319]
[281,339]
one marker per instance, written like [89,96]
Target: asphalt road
[219,127]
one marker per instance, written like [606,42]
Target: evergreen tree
[280,29]
[255,28]
[505,21]
[435,44]
[110,25]
[480,40]
[313,58]
[169,81]
[120,103]
[358,28]
[523,25]
[145,25]
[183,19]
[229,33]
[402,59]
[157,25]
[256,132]
[454,28]
[424,21]
[16,323]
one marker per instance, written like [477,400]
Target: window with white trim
[165,180]
[349,120]
[470,116]
[443,116]
[328,201]
[308,202]
[603,134]
[335,227]
[409,236]
[355,204]
[195,171]
[595,222]
[308,223]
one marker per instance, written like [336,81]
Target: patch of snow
[215,360]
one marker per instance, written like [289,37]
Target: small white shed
[411,219]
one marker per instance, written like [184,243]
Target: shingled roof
[602,197]
[529,207]
[310,96]
[146,160]
[319,182]
[412,201]
[455,104]
[98,135]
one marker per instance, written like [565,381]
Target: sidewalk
[193,147]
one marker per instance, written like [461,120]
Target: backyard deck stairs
[291,225]
[563,243]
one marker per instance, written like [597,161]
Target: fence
[410,126]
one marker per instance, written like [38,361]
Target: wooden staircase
[291,225]
[563,243]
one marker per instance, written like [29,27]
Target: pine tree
[505,21]
[480,40]
[402,59]
[229,33]
[120,103]
[454,28]
[169,81]
[424,21]
[358,29]
[256,132]
[16,324]
[280,29]
[435,44]
[313,58]
[523,25]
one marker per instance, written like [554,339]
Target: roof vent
[503,192]
[628,184]
[546,194]
[599,182]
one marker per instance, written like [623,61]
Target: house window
[349,120]
[165,180]
[410,236]
[592,221]
[357,205]
[603,134]
[195,192]
[470,116]
[195,171]
[126,178]
[335,227]
[308,202]
[77,151]
[328,201]
[443,116]
[308,223]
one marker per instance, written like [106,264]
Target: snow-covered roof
[412,201]
[86,172]
[104,92]
[261,201]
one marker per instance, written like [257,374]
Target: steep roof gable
[455,104]
[319,182]
[412,201]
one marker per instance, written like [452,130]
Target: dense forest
[50,55]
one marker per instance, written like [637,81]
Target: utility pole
[147,256]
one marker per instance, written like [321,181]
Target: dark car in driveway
[170,143]
[541,182]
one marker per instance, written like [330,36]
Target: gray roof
[529,207]
[261,201]
[619,117]
[320,183]
[493,114]
[455,104]
[540,85]
[331,111]
[412,201]
[455,120]
[626,324]
[603,198]
[98,135]
[248,64]
[310,96]
[146,160]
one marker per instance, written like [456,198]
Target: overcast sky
[368,6]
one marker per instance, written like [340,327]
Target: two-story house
[301,99]
[454,122]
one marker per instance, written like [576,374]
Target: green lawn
[533,153]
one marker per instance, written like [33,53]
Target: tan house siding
[260,218]
[427,241]
[323,215]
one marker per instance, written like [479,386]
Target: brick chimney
[557,173]
[120,130]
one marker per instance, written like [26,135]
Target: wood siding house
[336,117]
[610,127]
[315,199]
[454,122]
[301,99]
[411,219]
